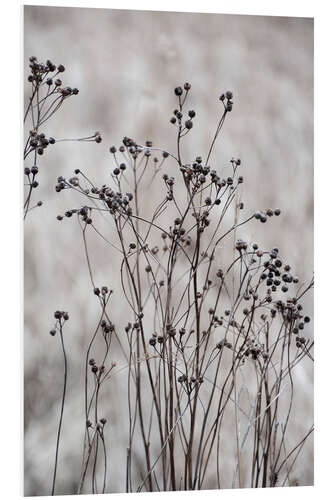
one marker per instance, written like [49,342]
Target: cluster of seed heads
[100,425]
[240,245]
[114,200]
[197,174]
[61,317]
[39,142]
[170,332]
[103,291]
[96,370]
[253,349]
[184,123]
[273,274]
[227,100]
[190,383]
[46,73]
[262,215]
[107,327]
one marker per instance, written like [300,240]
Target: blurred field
[126,65]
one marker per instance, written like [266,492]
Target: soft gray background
[126,65]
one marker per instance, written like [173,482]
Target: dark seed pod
[188,124]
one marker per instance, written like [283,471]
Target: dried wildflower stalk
[46,97]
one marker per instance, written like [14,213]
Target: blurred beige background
[126,65]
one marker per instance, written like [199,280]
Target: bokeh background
[126,65]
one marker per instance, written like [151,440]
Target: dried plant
[212,339]
[46,97]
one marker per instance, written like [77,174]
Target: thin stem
[61,410]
